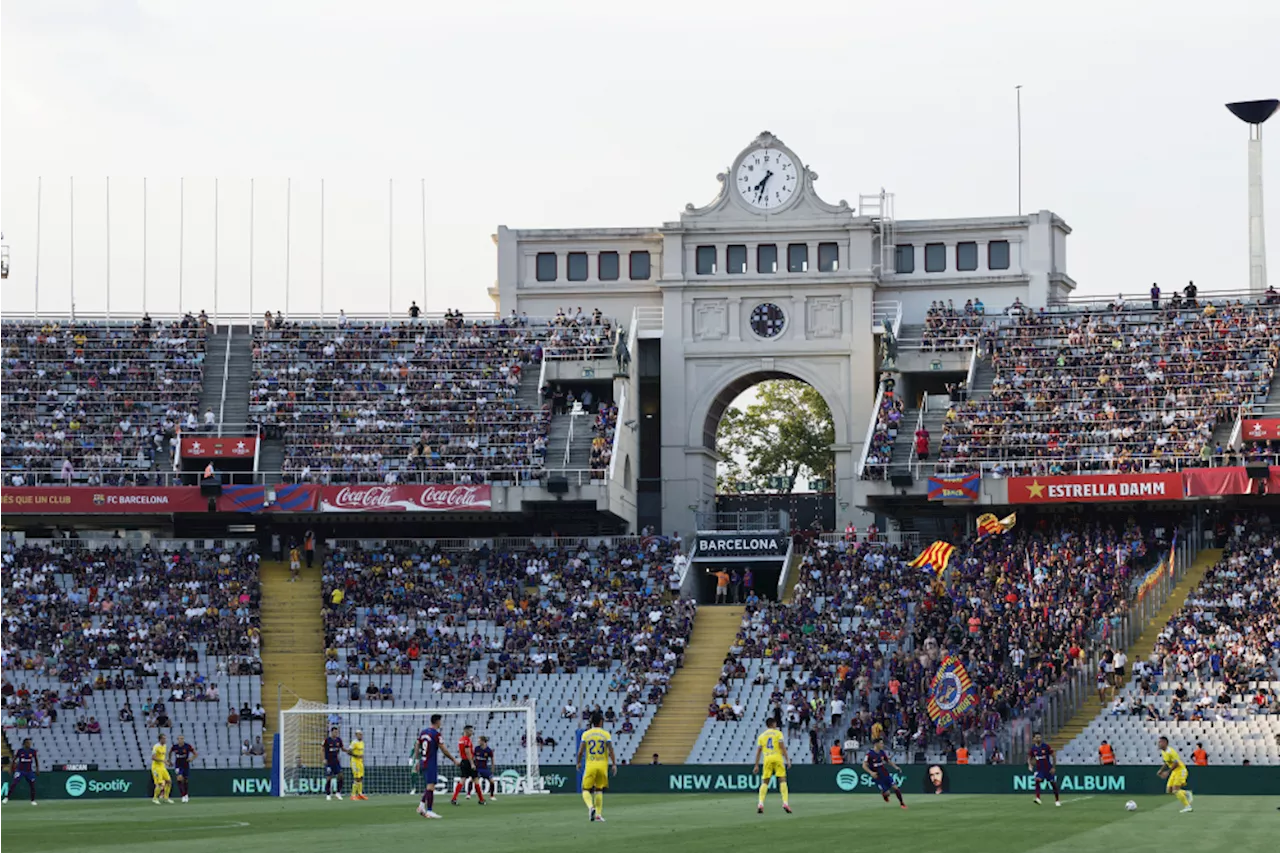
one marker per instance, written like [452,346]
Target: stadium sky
[559,113]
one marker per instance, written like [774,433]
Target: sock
[599,798]
[479,789]
[457,789]
[588,799]
[337,783]
[782,786]
[897,791]
[431,798]
[357,787]
[1037,789]
[884,796]
[1182,797]
[1057,791]
[764,789]
[32,785]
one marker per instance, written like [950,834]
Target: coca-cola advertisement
[405,499]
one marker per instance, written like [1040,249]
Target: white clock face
[767,178]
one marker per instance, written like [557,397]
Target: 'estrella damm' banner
[1095,488]
[954,487]
[951,695]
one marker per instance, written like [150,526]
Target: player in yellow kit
[772,747]
[160,772]
[356,751]
[1176,773]
[596,758]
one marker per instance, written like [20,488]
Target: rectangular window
[798,257]
[828,257]
[639,266]
[735,262]
[706,260]
[904,258]
[935,257]
[998,255]
[577,266]
[766,258]
[547,266]
[608,263]
[966,256]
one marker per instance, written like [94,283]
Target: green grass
[645,822]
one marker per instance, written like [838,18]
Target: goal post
[391,737]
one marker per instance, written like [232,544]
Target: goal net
[390,754]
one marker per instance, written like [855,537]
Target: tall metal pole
[391,215]
[322,248]
[108,247]
[215,252]
[144,245]
[424,247]
[73,248]
[288,231]
[182,234]
[1019,91]
[251,320]
[39,193]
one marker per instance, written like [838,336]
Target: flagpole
[144,245]
[215,252]
[39,194]
[108,247]
[288,231]
[73,248]
[391,214]
[182,234]
[322,249]
[251,320]
[424,248]
[1018,89]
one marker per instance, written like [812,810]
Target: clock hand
[760,187]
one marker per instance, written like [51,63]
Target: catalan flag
[951,694]
[935,558]
[989,525]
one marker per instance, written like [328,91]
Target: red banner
[405,499]
[1202,482]
[224,447]
[1260,429]
[1095,488]
[83,500]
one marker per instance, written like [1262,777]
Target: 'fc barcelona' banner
[954,487]
[951,695]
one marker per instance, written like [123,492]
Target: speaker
[211,486]
[1258,472]
[558,485]
[901,481]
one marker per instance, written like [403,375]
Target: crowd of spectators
[947,329]
[97,403]
[580,336]
[471,622]
[1126,389]
[602,432]
[885,433]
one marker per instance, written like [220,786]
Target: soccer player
[356,751]
[26,764]
[1176,773]
[333,749]
[466,765]
[426,751]
[596,758]
[1040,760]
[877,763]
[160,772]
[773,749]
[183,752]
[484,768]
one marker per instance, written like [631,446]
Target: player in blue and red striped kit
[1040,761]
[484,768]
[426,754]
[26,764]
[877,763]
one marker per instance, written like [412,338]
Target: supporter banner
[211,447]
[83,500]
[1202,482]
[405,499]
[765,544]
[136,784]
[1260,429]
[288,498]
[958,487]
[1096,487]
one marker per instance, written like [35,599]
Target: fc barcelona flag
[989,525]
[934,558]
[951,695]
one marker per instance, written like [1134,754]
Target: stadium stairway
[793,576]
[676,726]
[292,639]
[1141,648]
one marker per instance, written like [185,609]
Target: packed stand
[947,329]
[412,402]
[102,646]
[580,336]
[555,622]
[97,403]
[1120,390]
[602,434]
[888,422]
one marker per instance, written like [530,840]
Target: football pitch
[646,822]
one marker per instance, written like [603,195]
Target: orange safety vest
[1200,757]
[1108,756]
[962,755]
[837,757]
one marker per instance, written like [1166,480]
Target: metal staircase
[228,370]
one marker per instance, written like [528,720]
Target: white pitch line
[1077,799]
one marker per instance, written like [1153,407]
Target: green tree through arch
[781,438]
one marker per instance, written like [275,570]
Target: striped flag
[934,558]
[989,525]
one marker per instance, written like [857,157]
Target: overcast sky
[557,114]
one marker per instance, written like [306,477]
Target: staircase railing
[618,424]
[786,567]
[973,370]
[226,369]
[871,430]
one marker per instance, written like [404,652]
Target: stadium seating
[1212,676]
[582,625]
[947,328]
[88,632]
[97,403]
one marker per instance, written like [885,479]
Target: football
[1131,806]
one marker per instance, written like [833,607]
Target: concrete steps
[292,639]
[1141,648]
[675,729]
